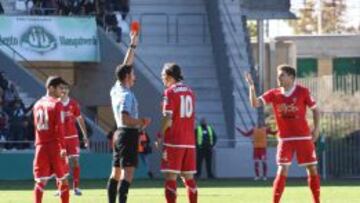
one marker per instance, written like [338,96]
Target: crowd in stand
[16,124]
[110,14]
[1,9]
[16,120]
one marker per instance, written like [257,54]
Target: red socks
[191,190]
[38,191]
[64,192]
[314,184]
[76,177]
[278,187]
[170,191]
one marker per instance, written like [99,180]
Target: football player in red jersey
[177,134]
[290,102]
[72,145]
[50,149]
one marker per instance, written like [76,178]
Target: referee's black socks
[112,190]
[123,191]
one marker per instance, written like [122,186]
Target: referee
[125,139]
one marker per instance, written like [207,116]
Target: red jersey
[49,121]
[71,112]
[290,111]
[179,101]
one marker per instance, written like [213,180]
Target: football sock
[112,190]
[123,191]
[257,169]
[64,193]
[314,184]
[191,190]
[76,176]
[170,191]
[38,191]
[264,165]
[278,187]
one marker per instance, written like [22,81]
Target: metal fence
[339,151]
[339,148]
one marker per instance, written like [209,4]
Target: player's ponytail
[173,70]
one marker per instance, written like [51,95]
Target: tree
[332,17]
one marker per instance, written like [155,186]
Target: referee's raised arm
[130,54]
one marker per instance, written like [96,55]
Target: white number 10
[186,106]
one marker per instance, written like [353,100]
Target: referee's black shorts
[125,151]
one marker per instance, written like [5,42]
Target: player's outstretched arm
[254,101]
[244,133]
[316,120]
[82,126]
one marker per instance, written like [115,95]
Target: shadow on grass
[158,183]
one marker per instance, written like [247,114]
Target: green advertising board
[50,38]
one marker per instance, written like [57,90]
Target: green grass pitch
[211,191]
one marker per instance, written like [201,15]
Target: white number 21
[186,106]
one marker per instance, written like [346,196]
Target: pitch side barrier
[17,162]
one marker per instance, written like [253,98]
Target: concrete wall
[324,48]
[96,166]
[288,49]
[276,53]
[238,163]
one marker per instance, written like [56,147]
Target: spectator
[10,94]
[17,123]
[3,81]
[88,7]
[205,141]
[4,124]
[123,6]
[145,150]
[1,9]
[259,139]
[111,24]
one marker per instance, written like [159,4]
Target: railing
[16,54]
[233,32]
[156,77]
[143,15]
[204,24]
[341,134]
[168,25]
[30,65]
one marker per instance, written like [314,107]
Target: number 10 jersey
[179,102]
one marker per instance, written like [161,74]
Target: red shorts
[178,160]
[304,149]
[47,162]
[259,154]
[72,146]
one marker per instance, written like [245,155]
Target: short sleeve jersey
[259,137]
[179,101]
[290,110]
[123,100]
[72,112]
[49,121]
